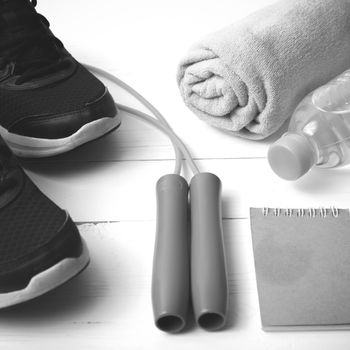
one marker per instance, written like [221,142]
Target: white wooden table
[108,187]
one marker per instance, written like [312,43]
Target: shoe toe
[61,125]
[17,273]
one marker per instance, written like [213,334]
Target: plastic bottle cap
[291,156]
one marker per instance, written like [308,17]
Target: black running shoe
[49,103]
[40,246]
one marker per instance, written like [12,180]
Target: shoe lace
[32,48]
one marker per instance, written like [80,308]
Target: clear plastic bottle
[318,133]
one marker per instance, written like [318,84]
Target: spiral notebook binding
[300,212]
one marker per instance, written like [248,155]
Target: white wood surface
[108,187]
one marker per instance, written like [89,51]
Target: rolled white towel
[249,77]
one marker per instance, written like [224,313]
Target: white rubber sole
[47,280]
[32,147]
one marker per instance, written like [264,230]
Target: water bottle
[318,133]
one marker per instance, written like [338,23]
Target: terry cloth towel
[249,77]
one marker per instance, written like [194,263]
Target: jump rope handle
[174,260]
[171,268]
[208,267]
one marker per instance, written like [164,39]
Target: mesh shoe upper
[44,92]
[64,96]
[27,223]
[35,233]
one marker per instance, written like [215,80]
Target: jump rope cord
[158,122]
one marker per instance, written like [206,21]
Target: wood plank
[109,307]
[115,191]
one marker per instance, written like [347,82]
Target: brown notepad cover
[302,263]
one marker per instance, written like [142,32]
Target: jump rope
[189,259]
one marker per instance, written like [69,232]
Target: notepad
[302,264]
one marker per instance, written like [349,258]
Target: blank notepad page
[302,263]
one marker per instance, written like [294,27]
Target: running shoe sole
[48,280]
[32,147]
